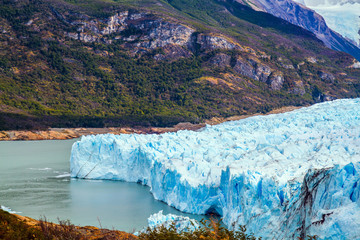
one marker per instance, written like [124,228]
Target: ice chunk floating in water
[283,175]
[7,209]
[181,223]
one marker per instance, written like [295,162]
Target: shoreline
[19,226]
[70,133]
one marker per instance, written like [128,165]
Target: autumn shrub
[209,229]
[65,230]
[12,228]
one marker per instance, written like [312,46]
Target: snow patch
[355,65]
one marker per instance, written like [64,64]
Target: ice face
[283,175]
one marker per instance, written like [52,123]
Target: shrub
[209,229]
[12,228]
[65,230]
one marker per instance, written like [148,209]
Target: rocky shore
[69,133]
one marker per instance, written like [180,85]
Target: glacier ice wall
[283,175]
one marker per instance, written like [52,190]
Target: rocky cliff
[142,32]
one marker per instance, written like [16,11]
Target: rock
[245,68]
[355,65]
[298,88]
[211,42]
[262,71]
[300,64]
[326,76]
[220,60]
[322,97]
[287,66]
[141,30]
[159,34]
[325,98]
[276,81]
[252,68]
[172,52]
[311,60]
[115,23]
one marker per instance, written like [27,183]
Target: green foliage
[4,62]
[208,230]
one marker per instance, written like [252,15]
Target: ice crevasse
[283,175]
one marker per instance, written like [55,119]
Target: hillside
[96,63]
[306,18]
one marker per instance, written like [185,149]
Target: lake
[35,182]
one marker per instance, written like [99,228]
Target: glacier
[284,175]
[343,16]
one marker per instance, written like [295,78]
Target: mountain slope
[305,17]
[341,16]
[103,63]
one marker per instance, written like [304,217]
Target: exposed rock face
[216,42]
[159,34]
[276,81]
[322,97]
[221,60]
[311,60]
[306,18]
[285,64]
[262,71]
[244,68]
[117,23]
[252,68]
[172,52]
[327,77]
[298,88]
[141,30]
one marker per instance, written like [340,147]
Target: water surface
[35,181]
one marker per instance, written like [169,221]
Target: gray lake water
[35,181]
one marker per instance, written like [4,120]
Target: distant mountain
[307,18]
[327,2]
[70,63]
[341,16]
